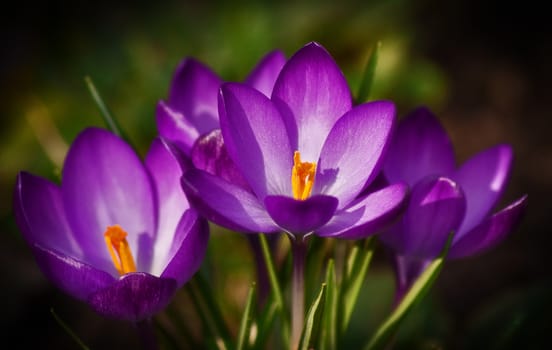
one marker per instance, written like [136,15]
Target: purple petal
[368,216]
[435,209]
[210,154]
[300,217]
[263,76]
[187,249]
[134,297]
[312,92]
[193,92]
[69,274]
[226,204]
[419,148]
[352,154]
[256,139]
[490,232]
[174,127]
[104,183]
[483,178]
[171,203]
[40,215]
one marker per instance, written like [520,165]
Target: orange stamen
[115,239]
[302,177]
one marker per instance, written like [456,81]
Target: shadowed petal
[420,148]
[368,216]
[193,93]
[104,183]
[226,204]
[171,204]
[490,232]
[483,178]
[263,76]
[435,209]
[312,93]
[301,216]
[353,152]
[174,127]
[134,297]
[39,213]
[69,274]
[210,154]
[188,247]
[256,139]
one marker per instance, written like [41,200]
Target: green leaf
[244,334]
[68,330]
[104,110]
[329,330]
[313,321]
[418,290]
[368,77]
[274,283]
[207,309]
[356,270]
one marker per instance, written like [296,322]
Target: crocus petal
[40,214]
[171,203]
[263,76]
[483,178]
[420,147]
[369,215]
[301,216]
[435,209]
[489,232]
[134,297]
[352,154]
[104,183]
[193,93]
[73,276]
[312,93]
[210,154]
[172,125]
[188,248]
[256,139]
[226,204]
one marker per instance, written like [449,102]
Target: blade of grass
[418,290]
[68,330]
[368,76]
[313,321]
[329,331]
[244,334]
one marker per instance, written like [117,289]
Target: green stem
[299,252]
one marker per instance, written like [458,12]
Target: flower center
[115,239]
[302,177]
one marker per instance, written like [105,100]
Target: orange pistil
[302,177]
[115,239]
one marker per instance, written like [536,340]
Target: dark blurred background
[483,67]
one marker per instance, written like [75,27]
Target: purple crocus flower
[304,154]
[191,110]
[115,233]
[445,198]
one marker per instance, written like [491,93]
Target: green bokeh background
[484,68]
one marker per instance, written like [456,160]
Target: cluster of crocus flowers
[445,199]
[115,233]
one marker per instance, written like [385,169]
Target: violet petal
[367,216]
[301,216]
[420,148]
[226,204]
[490,232]
[312,93]
[352,153]
[134,297]
[172,125]
[263,76]
[256,139]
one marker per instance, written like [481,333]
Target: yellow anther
[115,239]
[302,177]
